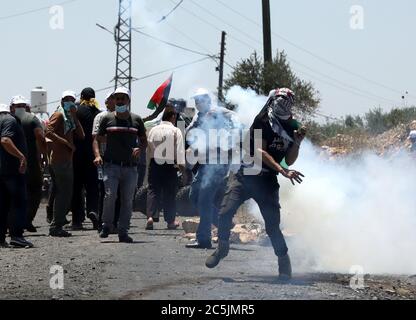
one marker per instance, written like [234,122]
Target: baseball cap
[4,108]
[123,90]
[19,100]
[87,93]
[200,92]
[69,93]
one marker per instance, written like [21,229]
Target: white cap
[201,92]
[19,100]
[412,134]
[123,90]
[69,93]
[4,108]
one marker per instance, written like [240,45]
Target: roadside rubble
[390,141]
[241,233]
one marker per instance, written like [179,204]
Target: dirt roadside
[158,266]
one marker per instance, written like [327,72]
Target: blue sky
[83,55]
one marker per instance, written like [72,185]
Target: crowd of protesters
[98,159]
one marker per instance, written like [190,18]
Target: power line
[172,44]
[344,84]
[212,25]
[162,41]
[294,61]
[34,10]
[311,53]
[197,43]
[165,16]
[147,76]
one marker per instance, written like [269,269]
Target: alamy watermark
[56,282]
[357,17]
[357,280]
[57,19]
[215,146]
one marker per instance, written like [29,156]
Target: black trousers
[85,178]
[263,189]
[162,191]
[34,191]
[13,205]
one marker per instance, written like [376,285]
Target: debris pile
[242,233]
[390,141]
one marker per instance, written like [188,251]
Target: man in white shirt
[167,153]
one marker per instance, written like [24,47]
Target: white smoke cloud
[352,211]
[358,210]
[248,103]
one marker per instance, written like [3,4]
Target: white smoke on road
[352,211]
[349,211]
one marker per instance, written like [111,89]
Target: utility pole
[220,68]
[122,35]
[267,33]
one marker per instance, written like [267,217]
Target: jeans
[265,191]
[162,191]
[206,189]
[125,178]
[63,184]
[13,205]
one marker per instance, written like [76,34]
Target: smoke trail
[357,210]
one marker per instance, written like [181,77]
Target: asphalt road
[158,266]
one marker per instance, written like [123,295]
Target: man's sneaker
[124,238]
[94,219]
[4,244]
[104,233]
[59,233]
[221,252]
[285,268]
[20,242]
[199,245]
[31,228]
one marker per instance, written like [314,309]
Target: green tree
[252,73]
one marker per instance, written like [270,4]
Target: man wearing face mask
[281,139]
[85,172]
[36,143]
[62,127]
[206,186]
[110,103]
[123,132]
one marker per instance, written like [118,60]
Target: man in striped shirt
[123,132]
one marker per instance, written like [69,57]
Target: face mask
[121,109]
[68,106]
[19,112]
[282,108]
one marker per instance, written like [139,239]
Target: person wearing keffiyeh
[62,127]
[280,140]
